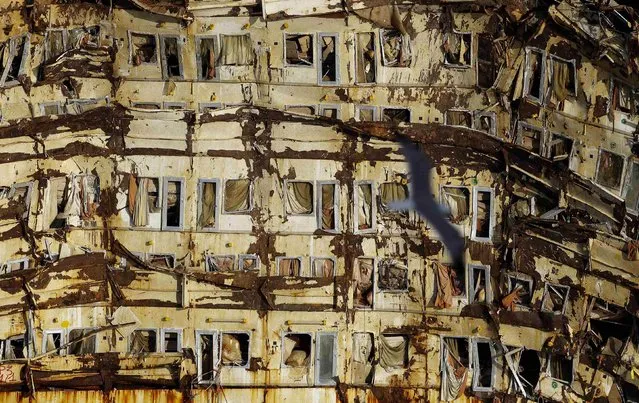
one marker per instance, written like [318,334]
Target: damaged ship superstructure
[194,200]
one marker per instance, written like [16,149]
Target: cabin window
[328,206]
[207,68]
[560,368]
[479,284]
[55,43]
[308,110]
[14,265]
[76,198]
[248,262]
[396,115]
[483,368]
[152,106]
[530,138]
[482,214]
[237,196]
[14,54]
[365,113]
[143,341]
[624,97]
[363,282]
[520,290]
[173,208]
[455,364]
[365,208]
[534,74]
[296,350]
[485,122]
[235,349]
[555,298]
[363,358]
[298,50]
[145,201]
[456,200]
[171,340]
[632,188]
[329,111]
[208,107]
[53,340]
[51,108]
[206,352]
[326,358]
[82,341]
[220,263]
[392,275]
[329,71]
[323,267]
[525,368]
[236,50]
[391,192]
[289,266]
[174,106]
[20,193]
[486,61]
[13,348]
[393,351]
[207,204]
[78,106]
[610,326]
[458,49]
[84,37]
[560,148]
[163,260]
[143,49]
[458,118]
[609,169]
[365,58]
[299,197]
[564,80]
[396,48]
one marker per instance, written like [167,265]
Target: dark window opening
[171,343]
[173,204]
[330,113]
[459,348]
[144,49]
[55,44]
[625,98]
[235,349]
[16,62]
[534,74]
[485,123]
[459,118]
[610,327]
[560,148]
[85,344]
[154,106]
[328,219]
[392,275]
[14,348]
[560,368]
[486,61]
[483,213]
[457,202]
[363,282]
[207,357]
[53,342]
[299,50]
[171,57]
[529,369]
[329,59]
[457,49]
[610,169]
[396,115]
[480,285]
[366,114]
[365,63]
[143,341]
[301,109]
[207,60]
[484,366]
[297,350]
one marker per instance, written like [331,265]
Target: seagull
[421,200]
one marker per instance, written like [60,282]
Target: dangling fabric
[207,215]
[73,207]
[133,191]
[236,50]
[365,208]
[324,268]
[363,279]
[444,287]
[299,197]
[328,207]
[454,374]
[392,351]
[236,195]
[560,80]
[289,267]
[231,351]
[141,208]
[393,191]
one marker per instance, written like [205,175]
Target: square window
[392,275]
[390,192]
[560,148]
[14,265]
[485,122]
[236,50]
[458,118]
[13,348]
[363,282]
[143,49]
[296,350]
[396,115]
[393,351]
[329,111]
[520,290]
[53,340]
[560,368]
[237,195]
[248,262]
[299,197]
[326,358]
[364,113]
[143,341]
[456,200]
[624,97]
[329,71]
[50,108]
[207,68]
[84,37]
[458,49]
[298,50]
[85,344]
[289,266]
[323,267]
[144,201]
[171,341]
[220,263]
[174,106]
[163,260]
[235,349]
[530,138]
[610,169]
[555,298]
[365,58]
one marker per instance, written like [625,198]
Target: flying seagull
[421,200]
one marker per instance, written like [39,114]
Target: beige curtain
[143,341]
[299,198]
[207,215]
[90,191]
[444,287]
[392,351]
[73,206]
[289,267]
[362,357]
[454,374]
[456,201]
[207,56]
[393,191]
[560,80]
[51,341]
[363,282]
[85,346]
[328,207]
[236,195]
[365,207]
[365,57]
[141,207]
[295,354]
[323,267]
[231,350]
[236,50]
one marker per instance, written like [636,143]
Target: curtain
[459,118]
[289,267]
[207,58]
[323,267]
[454,374]
[249,263]
[207,215]
[141,207]
[393,191]
[328,206]
[456,201]
[560,80]
[221,263]
[365,57]
[299,197]
[236,50]
[231,350]
[236,195]
[295,351]
[363,279]
[86,346]
[365,208]
[55,43]
[143,341]
[90,191]
[392,351]
[362,357]
[73,207]
[53,341]
[445,286]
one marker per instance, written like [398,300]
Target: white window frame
[361,107]
[157,339]
[163,332]
[376,275]
[148,255]
[241,257]
[336,355]
[521,277]
[472,118]
[543,84]
[158,57]
[542,137]
[632,165]
[548,357]
[250,196]
[491,115]
[63,341]
[208,268]
[472,53]
[375,58]
[136,104]
[165,206]
[169,104]
[180,43]
[215,356]
[300,258]
[491,213]
[318,52]
[323,107]
[443,348]
[68,340]
[23,61]
[313,47]
[218,191]
[470,276]
[476,364]
[219,349]
[203,106]
[311,361]
[314,258]
[336,205]
[554,59]
[4,267]
[470,195]
[65,41]
[288,108]
[383,108]
[57,104]
[313,198]
[8,340]
[373,228]
[198,56]
[547,290]
[382,34]
[623,170]
[373,279]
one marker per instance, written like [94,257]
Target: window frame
[356,263]
[470,276]
[248,354]
[157,340]
[148,255]
[554,59]
[136,104]
[384,62]
[632,165]
[323,107]
[547,290]
[167,105]
[311,361]
[47,48]
[476,364]
[378,262]
[547,364]
[4,266]
[521,125]
[313,198]
[23,61]
[165,206]
[382,109]
[442,348]
[491,218]
[442,188]
[312,47]
[242,256]
[335,36]
[157,62]
[58,104]
[198,56]
[202,106]
[216,214]
[472,53]
[7,342]
[215,356]
[623,169]
[221,40]
[207,267]
[301,259]
[250,196]
[472,117]
[317,360]
[63,340]
[162,334]
[331,258]
[360,107]
[373,228]
[543,84]
[336,205]
[29,186]
[493,117]
[69,341]
[521,277]
[375,57]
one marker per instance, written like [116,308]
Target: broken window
[632,187]
[237,195]
[455,358]
[289,266]
[52,341]
[363,356]
[624,97]
[14,265]
[299,197]
[323,267]
[485,122]
[207,204]
[296,350]
[365,208]
[564,83]
[525,368]
[13,348]
[248,262]
[451,282]
[171,340]
[173,207]
[363,282]
[14,54]
[534,74]
[390,192]
[365,59]
[170,49]
[365,113]
[458,118]
[208,107]
[144,201]
[206,352]
[530,138]
[73,200]
[555,298]
[392,275]
[153,106]
[55,43]
[51,108]
[560,148]
[520,290]
[143,48]
[479,286]
[456,200]
[82,341]
[609,169]
[175,106]
[457,49]
[236,50]
[329,111]
[326,358]
[396,115]
[163,260]
[393,351]
[301,109]
[298,49]
[483,368]
[220,263]
[84,37]
[328,206]
[329,71]
[560,368]
[78,106]
[206,58]
[20,194]
[235,349]
[143,341]
[486,61]
[482,214]
[396,49]
[610,327]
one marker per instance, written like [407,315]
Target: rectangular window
[328,206]
[456,200]
[366,113]
[79,106]
[143,341]
[329,111]
[53,340]
[560,368]
[396,115]
[363,282]
[555,298]
[609,169]
[82,341]
[20,193]
[208,107]
[173,207]
[248,262]
[144,201]
[458,49]
[298,50]
[363,358]
[76,198]
[396,48]
[308,110]
[51,108]
[485,122]
[483,368]
[143,48]
[174,106]
[84,37]
[486,61]
[220,263]
[327,49]
[326,358]
[171,340]
[365,209]
[451,282]
[235,349]
[14,55]
[632,187]
[534,73]
[530,137]
[323,267]
[207,206]
[365,58]
[164,260]
[564,79]
[13,348]
[206,346]
[289,266]
[455,363]
[14,265]
[525,368]
[520,290]
[560,148]
[206,55]
[390,192]
[152,106]
[55,43]
[479,287]
[483,216]
[237,196]
[392,275]
[296,350]
[624,97]
[236,50]
[299,197]
[393,351]
[454,117]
